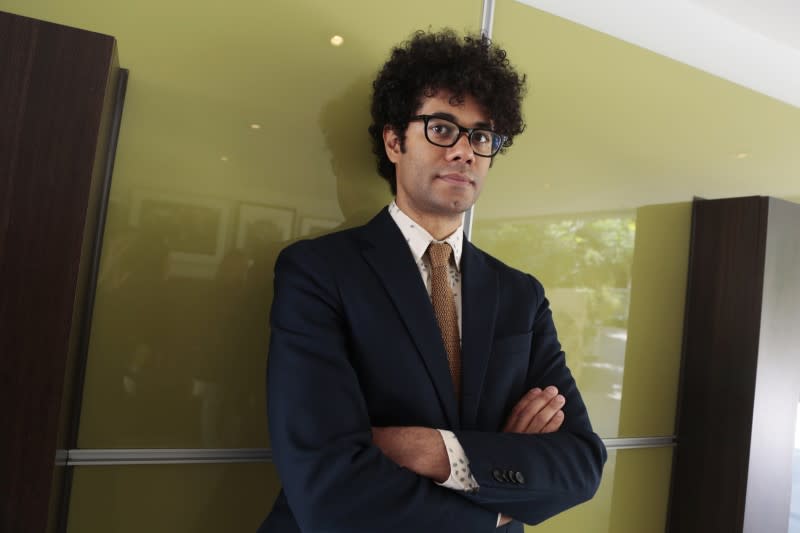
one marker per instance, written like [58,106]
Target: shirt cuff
[461,477]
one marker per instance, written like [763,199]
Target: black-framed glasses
[445,133]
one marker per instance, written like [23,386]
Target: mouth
[456,178]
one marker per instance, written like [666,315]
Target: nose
[462,150]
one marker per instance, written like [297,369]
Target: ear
[391,143]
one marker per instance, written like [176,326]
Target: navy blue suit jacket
[355,344]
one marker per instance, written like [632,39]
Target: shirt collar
[418,238]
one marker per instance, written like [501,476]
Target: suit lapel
[479,310]
[388,254]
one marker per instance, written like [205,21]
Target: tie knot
[439,253]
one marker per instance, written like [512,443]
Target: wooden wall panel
[54,92]
[739,376]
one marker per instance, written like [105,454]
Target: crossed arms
[422,449]
[341,474]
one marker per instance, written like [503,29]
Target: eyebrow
[452,118]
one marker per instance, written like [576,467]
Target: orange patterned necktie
[444,307]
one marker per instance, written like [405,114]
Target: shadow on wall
[344,121]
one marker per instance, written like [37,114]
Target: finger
[532,418]
[511,422]
[527,397]
[528,413]
[545,414]
[532,407]
[554,424]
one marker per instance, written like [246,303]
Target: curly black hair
[429,62]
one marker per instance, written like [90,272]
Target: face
[435,182]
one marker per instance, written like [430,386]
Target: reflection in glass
[180,321]
[584,262]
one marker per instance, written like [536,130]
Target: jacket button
[498,475]
[519,477]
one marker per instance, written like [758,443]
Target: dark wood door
[57,92]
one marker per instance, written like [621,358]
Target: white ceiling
[756,45]
[775,19]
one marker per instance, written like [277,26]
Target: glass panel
[632,497]
[584,262]
[172,498]
[602,272]
[244,129]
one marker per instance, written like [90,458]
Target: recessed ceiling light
[255,126]
[337,40]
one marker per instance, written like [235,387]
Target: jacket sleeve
[334,477]
[533,477]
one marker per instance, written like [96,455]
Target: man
[415,383]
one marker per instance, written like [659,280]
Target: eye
[481,137]
[442,130]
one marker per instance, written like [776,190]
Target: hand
[538,411]
[419,449]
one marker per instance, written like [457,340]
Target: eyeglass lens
[443,132]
